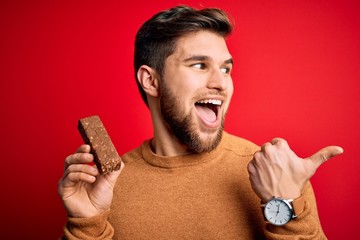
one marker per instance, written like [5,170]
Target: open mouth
[208,109]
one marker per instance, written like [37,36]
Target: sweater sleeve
[305,226]
[96,227]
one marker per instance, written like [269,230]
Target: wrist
[92,226]
[279,211]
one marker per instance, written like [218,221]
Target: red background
[296,76]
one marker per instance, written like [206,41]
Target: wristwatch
[280,211]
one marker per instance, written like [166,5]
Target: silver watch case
[279,211]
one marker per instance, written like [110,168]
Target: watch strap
[298,205]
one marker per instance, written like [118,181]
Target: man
[191,180]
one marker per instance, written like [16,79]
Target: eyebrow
[229,61]
[205,58]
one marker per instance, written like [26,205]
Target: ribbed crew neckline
[182,160]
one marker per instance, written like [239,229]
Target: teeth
[211,101]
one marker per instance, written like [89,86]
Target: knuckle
[81,157]
[250,164]
[284,143]
[73,158]
[264,146]
[280,142]
[73,176]
[267,148]
[84,148]
[69,169]
[257,155]
[323,157]
[69,177]
[78,157]
[68,161]
[251,169]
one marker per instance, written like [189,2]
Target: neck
[167,144]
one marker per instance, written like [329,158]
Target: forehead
[203,43]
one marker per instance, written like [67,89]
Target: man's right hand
[84,192]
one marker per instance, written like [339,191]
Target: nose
[218,80]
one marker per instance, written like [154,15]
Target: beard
[183,126]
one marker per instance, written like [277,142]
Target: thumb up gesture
[276,171]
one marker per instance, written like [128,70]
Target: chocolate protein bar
[94,133]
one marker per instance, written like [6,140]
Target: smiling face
[195,90]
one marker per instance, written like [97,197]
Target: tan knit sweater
[199,196]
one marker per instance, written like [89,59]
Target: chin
[206,142]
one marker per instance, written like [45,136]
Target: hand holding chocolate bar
[86,190]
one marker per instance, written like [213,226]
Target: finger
[279,142]
[251,167]
[77,158]
[91,170]
[265,147]
[75,177]
[85,148]
[324,154]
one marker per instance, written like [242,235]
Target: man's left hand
[276,171]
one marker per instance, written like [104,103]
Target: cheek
[231,86]
[229,92]
[230,89]
[181,83]
[187,89]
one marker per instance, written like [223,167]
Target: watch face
[278,211]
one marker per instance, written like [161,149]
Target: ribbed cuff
[88,227]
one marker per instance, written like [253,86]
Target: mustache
[212,93]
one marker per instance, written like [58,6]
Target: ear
[149,80]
